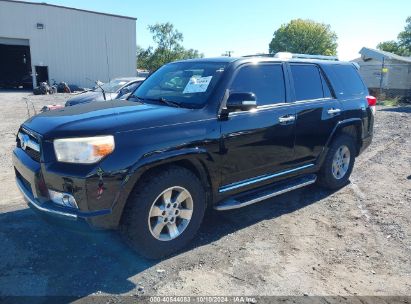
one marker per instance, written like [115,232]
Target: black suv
[221,133]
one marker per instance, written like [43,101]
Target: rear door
[258,142]
[317,111]
[352,93]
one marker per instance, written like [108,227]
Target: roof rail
[259,55]
[287,55]
[306,56]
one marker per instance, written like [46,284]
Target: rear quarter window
[350,81]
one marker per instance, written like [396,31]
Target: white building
[51,42]
[385,72]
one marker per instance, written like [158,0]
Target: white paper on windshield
[197,85]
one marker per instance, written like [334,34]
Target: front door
[257,143]
[42,74]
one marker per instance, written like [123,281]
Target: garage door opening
[15,64]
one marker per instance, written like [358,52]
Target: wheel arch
[195,160]
[351,127]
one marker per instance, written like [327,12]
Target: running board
[273,190]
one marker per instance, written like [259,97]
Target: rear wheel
[164,212]
[338,164]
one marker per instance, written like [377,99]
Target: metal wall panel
[397,75]
[74,44]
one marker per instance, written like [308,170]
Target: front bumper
[43,207]
[28,176]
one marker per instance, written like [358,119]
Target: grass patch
[392,102]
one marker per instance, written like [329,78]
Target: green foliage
[305,37]
[143,57]
[393,102]
[168,48]
[401,47]
[389,46]
[404,37]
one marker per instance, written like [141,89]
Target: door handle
[333,111]
[286,118]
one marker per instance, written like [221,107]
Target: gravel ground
[356,241]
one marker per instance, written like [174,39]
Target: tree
[305,37]
[168,48]
[390,46]
[401,47]
[143,56]
[404,37]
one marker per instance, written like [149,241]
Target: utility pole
[382,74]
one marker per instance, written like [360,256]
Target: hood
[89,96]
[109,117]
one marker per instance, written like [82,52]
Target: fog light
[63,199]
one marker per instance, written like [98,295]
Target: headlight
[84,150]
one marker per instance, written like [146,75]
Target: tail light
[372,102]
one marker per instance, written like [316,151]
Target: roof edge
[380,55]
[70,8]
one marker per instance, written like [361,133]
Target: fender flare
[357,122]
[196,156]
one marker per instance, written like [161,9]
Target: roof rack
[287,55]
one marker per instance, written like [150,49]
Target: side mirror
[241,102]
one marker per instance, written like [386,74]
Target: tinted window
[266,81]
[307,82]
[350,80]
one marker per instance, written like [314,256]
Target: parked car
[114,89]
[204,133]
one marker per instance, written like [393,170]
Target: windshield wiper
[162,100]
[169,102]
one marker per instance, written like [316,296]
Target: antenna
[27,100]
[108,65]
[27,107]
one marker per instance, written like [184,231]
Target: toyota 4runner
[221,133]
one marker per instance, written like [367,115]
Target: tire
[330,178]
[146,199]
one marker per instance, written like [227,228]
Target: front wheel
[338,164]
[164,212]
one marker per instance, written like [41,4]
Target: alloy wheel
[170,213]
[341,162]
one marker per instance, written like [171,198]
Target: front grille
[33,153]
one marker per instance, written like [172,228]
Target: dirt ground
[356,241]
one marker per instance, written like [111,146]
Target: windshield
[112,86]
[188,84]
